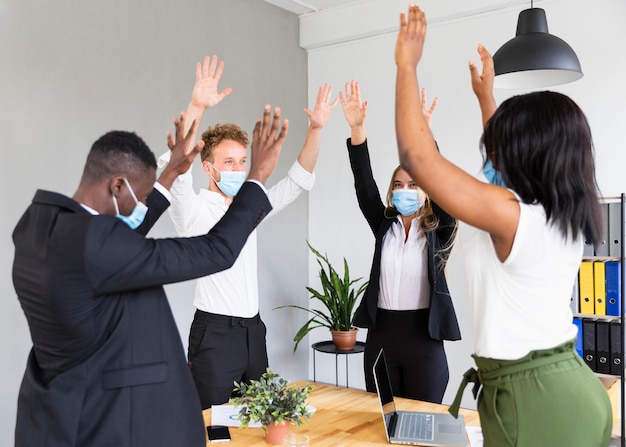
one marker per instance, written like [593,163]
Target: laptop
[412,427]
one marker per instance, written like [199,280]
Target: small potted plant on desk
[273,403]
[339,297]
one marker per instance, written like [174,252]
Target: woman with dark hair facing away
[521,263]
[406,306]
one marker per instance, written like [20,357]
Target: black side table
[329,348]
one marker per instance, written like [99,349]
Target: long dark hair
[541,143]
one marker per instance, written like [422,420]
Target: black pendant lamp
[534,58]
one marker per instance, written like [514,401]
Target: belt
[479,378]
[229,320]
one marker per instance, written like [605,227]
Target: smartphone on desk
[218,433]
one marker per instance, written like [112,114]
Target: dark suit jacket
[107,367]
[442,322]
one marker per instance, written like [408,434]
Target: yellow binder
[599,287]
[586,286]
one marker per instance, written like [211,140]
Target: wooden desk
[344,417]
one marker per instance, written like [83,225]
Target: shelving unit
[616,257]
[623,322]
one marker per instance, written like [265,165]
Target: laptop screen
[440,429]
[383,386]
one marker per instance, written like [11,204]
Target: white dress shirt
[404,269]
[234,291]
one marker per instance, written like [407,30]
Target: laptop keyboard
[417,426]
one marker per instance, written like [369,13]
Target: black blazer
[442,322]
[107,365]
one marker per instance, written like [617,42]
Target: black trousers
[224,349]
[418,366]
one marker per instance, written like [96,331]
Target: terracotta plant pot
[344,340]
[275,433]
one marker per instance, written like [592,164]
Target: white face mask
[137,216]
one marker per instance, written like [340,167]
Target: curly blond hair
[216,134]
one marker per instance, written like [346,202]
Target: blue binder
[578,321]
[613,273]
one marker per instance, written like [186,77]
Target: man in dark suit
[107,366]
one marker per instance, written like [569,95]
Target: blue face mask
[494,177]
[406,201]
[137,216]
[230,181]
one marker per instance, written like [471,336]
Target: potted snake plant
[339,296]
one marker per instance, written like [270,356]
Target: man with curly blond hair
[227,335]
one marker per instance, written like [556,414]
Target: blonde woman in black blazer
[407,307]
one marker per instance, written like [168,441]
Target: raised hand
[354,110]
[208,76]
[410,41]
[267,142]
[183,151]
[482,84]
[322,110]
[428,111]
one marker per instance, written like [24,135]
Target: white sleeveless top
[523,303]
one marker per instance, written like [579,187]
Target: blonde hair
[216,134]
[428,221]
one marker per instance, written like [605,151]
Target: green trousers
[548,398]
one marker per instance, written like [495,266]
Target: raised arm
[488,207]
[183,151]
[354,111]
[267,142]
[205,91]
[317,120]
[367,192]
[428,111]
[482,84]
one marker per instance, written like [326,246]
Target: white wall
[338,52]
[74,70]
